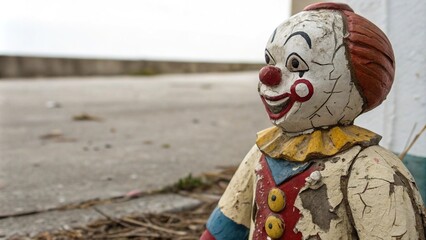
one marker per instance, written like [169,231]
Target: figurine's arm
[383,199]
[231,218]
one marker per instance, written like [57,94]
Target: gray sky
[220,30]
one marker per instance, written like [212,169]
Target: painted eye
[268,58]
[295,63]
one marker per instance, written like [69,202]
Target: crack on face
[329,96]
[298,108]
[328,59]
[349,98]
[329,75]
[329,110]
[325,32]
[333,27]
[303,21]
[335,51]
[328,92]
[315,115]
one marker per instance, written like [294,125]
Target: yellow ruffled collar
[318,144]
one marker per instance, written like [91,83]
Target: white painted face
[313,86]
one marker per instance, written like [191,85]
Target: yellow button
[276,200]
[274,227]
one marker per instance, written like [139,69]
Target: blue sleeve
[223,228]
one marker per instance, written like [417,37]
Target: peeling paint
[382,198]
[236,202]
[316,202]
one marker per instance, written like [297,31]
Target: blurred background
[99,99]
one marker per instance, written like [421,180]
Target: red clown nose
[270,76]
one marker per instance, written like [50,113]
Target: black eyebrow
[273,35]
[304,35]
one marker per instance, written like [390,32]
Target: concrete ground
[145,133]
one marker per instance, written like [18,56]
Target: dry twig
[404,153]
[182,225]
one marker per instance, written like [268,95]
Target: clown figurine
[315,175]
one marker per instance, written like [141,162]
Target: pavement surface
[70,140]
[66,220]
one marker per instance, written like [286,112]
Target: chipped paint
[383,198]
[334,169]
[318,81]
[236,203]
[316,202]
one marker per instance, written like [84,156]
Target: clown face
[307,83]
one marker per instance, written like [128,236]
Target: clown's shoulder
[369,194]
[383,198]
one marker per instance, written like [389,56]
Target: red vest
[275,214]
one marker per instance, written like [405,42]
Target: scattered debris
[53,104]
[206,86]
[166,145]
[57,136]
[86,117]
[134,193]
[195,121]
[56,133]
[188,224]
[188,183]
[107,178]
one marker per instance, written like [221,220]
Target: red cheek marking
[293,97]
[294,94]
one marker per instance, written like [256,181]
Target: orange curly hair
[370,54]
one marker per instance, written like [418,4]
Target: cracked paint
[236,202]
[327,70]
[384,206]
[334,169]
[322,77]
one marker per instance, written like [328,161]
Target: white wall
[404,22]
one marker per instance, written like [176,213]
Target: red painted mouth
[278,110]
[278,106]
